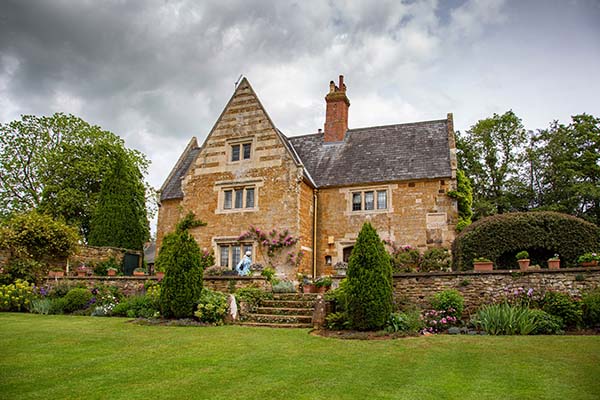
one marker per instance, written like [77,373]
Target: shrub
[405,260]
[541,233]
[77,299]
[369,282]
[436,259]
[408,322]
[337,321]
[212,307]
[40,306]
[142,306]
[588,257]
[269,273]
[450,301]
[522,255]
[57,306]
[339,296]
[546,324]
[324,281]
[24,269]
[183,264]
[284,287]
[505,319]
[101,269]
[16,296]
[438,321]
[590,304]
[561,305]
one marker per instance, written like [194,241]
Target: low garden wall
[131,285]
[481,287]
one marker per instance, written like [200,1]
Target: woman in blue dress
[243,267]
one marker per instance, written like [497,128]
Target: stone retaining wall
[480,288]
[131,285]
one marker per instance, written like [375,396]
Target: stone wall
[131,285]
[480,288]
[90,255]
[419,214]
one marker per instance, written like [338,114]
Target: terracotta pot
[56,274]
[590,264]
[112,272]
[81,273]
[322,289]
[524,264]
[483,265]
[137,273]
[553,264]
[309,289]
[160,275]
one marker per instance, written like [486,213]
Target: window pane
[235,152]
[356,201]
[369,201]
[235,256]
[382,199]
[227,202]
[250,198]
[239,198]
[247,147]
[224,250]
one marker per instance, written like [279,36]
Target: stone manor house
[321,187]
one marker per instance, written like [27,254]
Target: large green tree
[490,155]
[119,218]
[568,167]
[369,282]
[57,164]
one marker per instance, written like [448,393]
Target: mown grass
[64,357]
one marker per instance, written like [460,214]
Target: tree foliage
[489,154]
[369,282]
[57,164]
[119,219]
[183,264]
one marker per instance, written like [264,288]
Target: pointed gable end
[243,131]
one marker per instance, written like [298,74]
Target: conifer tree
[184,265]
[119,219]
[369,282]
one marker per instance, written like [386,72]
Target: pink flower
[444,321]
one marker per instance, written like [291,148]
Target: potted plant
[483,264]
[589,260]
[554,262]
[139,272]
[323,284]
[82,270]
[307,284]
[112,271]
[523,260]
[56,272]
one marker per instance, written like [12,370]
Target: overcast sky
[159,72]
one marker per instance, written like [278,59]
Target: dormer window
[241,151]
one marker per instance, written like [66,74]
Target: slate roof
[377,154]
[368,155]
[172,187]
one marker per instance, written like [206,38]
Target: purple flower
[530,292]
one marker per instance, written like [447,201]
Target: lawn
[67,357]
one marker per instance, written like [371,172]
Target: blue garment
[243,267]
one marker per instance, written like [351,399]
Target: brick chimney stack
[336,114]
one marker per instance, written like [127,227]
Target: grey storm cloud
[158,72]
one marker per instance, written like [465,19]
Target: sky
[157,72]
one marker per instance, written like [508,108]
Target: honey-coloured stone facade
[247,173]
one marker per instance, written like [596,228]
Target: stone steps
[285,310]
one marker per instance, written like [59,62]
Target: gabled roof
[378,154]
[171,189]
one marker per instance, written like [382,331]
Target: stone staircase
[286,310]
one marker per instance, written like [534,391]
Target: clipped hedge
[542,234]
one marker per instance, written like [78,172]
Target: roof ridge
[402,124]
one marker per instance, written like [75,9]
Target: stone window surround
[230,241]
[240,141]
[221,186]
[347,192]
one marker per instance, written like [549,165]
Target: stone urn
[524,264]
